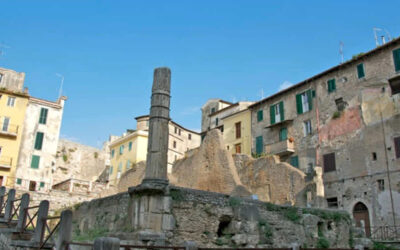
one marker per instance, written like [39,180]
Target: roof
[337,67]
[236,113]
[191,131]
[216,100]
[46,102]
[226,108]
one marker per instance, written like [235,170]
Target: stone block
[240,239]
[168,222]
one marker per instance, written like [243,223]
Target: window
[32,186]
[6,123]
[174,144]
[238,129]
[304,101]
[43,115]
[130,146]
[340,104]
[212,110]
[238,148]
[259,145]
[120,167]
[19,181]
[294,161]
[260,115]
[39,140]
[121,149]
[277,113]
[11,101]
[179,132]
[189,136]
[396,59]
[360,71]
[111,170]
[112,153]
[42,184]
[381,184]
[283,134]
[374,157]
[176,157]
[395,85]
[329,162]
[35,161]
[216,121]
[307,128]
[397,146]
[332,202]
[128,164]
[1,77]
[176,130]
[331,85]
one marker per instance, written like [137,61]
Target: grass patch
[90,235]
[328,215]
[381,246]
[176,195]
[234,202]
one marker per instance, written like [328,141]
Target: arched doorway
[360,213]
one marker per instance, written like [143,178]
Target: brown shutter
[238,130]
[329,162]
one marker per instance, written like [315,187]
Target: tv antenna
[376,30]
[3,47]
[341,45]
[61,85]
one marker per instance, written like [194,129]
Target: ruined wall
[12,80]
[212,219]
[78,161]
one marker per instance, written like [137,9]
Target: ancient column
[157,149]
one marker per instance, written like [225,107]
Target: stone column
[157,149]
[9,205]
[40,222]
[65,229]
[22,212]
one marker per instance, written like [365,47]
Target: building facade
[36,162]
[131,147]
[210,107]
[346,120]
[13,105]
[237,132]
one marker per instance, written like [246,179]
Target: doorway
[32,186]
[361,216]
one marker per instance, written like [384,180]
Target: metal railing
[8,128]
[385,233]
[5,161]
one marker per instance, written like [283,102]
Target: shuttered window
[216,121]
[260,115]
[304,101]
[277,113]
[39,140]
[238,129]
[35,161]
[41,184]
[282,134]
[360,71]
[130,146]
[329,162]
[43,115]
[121,149]
[294,161]
[19,181]
[397,146]
[396,59]
[331,85]
[259,144]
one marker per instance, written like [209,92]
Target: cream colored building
[237,132]
[131,147]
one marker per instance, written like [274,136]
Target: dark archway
[360,213]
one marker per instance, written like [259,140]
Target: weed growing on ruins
[65,158]
[77,206]
[322,241]
[328,215]
[272,207]
[219,242]
[234,202]
[351,239]
[176,195]
[116,217]
[207,233]
[265,231]
[336,115]
[381,246]
[96,155]
[92,234]
[291,214]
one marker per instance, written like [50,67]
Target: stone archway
[361,217]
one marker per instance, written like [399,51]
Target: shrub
[336,115]
[96,155]
[291,214]
[381,246]
[176,195]
[65,158]
[322,242]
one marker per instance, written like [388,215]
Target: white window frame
[277,113]
[11,101]
[307,127]
[305,102]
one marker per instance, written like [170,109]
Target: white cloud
[285,85]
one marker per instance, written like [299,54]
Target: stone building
[131,147]
[13,105]
[210,107]
[36,162]
[347,120]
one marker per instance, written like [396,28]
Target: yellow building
[13,106]
[237,132]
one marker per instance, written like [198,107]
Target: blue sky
[107,51]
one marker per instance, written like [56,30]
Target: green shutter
[309,98]
[396,59]
[19,181]
[111,170]
[299,104]
[121,149]
[294,161]
[283,134]
[331,85]
[360,71]
[112,153]
[216,121]
[39,140]
[260,115]
[282,111]
[43,116]
[35,161]
[130,146]
[259,144]
[313,93]
[41,184]
[272,114]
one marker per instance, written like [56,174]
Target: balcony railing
[5,162]
[386,233]
[8,129]
[280,148]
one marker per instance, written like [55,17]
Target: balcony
[5,162]
[8,130]
[281,148]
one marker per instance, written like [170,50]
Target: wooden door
[32,186]
[360,213]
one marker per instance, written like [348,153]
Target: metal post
[9,205]
[64,230]
[40,222]
[106,243]
[22,212]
